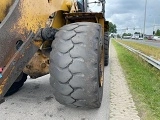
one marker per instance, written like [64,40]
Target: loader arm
[18,35]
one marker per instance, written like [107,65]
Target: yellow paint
[58,21]
[101,21]
[38,43]
[2,86]
[35,14]
[4,7]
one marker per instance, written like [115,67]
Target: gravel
[122,106]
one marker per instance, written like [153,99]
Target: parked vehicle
[126,37]
[133,37]
[140,38]
[150,37]
[156,38]
[136,36]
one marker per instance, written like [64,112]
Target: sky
[130,14]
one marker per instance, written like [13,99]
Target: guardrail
[150,60]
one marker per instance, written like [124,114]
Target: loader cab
[80,4]
[83,5]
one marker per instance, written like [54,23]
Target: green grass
[146,49]
[144,83]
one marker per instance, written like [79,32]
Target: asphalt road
[147,42]
[35,101]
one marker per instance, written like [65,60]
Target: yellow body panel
[4,7]
[34,14]
[59,20]
[20,17]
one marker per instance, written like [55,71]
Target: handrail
[150,60]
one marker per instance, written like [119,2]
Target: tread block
[81,67]
[64,99]
[80,37]
[83,94]
[64,89]
[63,46]
[65,35]
[75,54]
[62,75]
[69,27]
[62,63]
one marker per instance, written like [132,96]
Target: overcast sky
[130,13]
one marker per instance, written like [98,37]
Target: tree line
[113,29]
[157,33]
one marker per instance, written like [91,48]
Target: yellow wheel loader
[56,37]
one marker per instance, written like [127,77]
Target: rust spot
[2,85]
[37,66]
[28,66]
[43,65]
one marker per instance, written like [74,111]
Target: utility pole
[144,19]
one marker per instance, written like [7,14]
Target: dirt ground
[122,106]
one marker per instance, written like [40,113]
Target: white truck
[137,36]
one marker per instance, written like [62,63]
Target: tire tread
[82,85]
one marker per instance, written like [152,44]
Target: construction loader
[57,37]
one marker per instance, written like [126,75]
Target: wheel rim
[101,66]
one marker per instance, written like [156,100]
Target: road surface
[35,101]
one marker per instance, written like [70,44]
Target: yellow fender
[33,13]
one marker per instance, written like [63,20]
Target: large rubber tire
[17,84]
[75,65]
[106,49]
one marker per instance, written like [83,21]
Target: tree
[127,34]
[124,34]
[157,33]
[112,28]
[137,33]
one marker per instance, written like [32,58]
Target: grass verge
[154,52]
[143,81]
